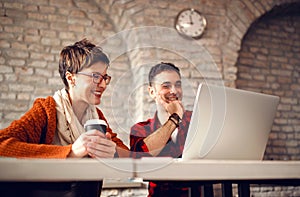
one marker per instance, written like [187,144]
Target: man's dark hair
[158,68]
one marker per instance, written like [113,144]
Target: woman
[53,127]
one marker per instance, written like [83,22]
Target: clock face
[190,23]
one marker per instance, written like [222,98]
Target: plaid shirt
[139,149]
[141,130]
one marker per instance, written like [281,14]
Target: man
[165,133]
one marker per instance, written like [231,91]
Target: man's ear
[151,91]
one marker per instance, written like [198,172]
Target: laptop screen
[229,123]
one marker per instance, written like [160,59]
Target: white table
[177,169]
[40,177]
[64,169]
[158,169]
[207,172]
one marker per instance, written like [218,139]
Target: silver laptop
[229,124]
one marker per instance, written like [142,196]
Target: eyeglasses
[97,77]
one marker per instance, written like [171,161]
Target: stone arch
[269,62]
[240,15]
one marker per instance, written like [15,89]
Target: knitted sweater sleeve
[21,139]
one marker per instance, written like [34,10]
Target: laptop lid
[229,123]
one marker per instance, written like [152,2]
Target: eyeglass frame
[101,77]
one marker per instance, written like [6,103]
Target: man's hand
[172,105]
[175,107]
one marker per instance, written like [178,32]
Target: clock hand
[191,19]
[185,25]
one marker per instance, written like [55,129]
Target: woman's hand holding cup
[95,142]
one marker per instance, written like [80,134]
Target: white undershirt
[174,135]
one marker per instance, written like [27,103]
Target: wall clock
[190,23]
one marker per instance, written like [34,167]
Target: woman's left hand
[101,147]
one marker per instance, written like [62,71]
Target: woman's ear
[70,78]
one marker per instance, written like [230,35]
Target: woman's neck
[79,107]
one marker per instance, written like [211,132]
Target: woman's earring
[73,83]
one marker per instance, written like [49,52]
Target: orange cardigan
[21,139]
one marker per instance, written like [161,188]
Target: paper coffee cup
[97,124]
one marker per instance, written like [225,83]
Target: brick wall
[136,35]
[240,48]
[269,62]
[32,35]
